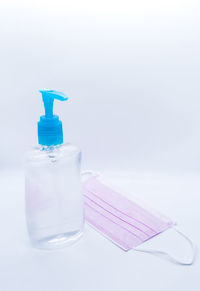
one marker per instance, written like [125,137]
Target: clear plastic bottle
[53,195]
[54,204]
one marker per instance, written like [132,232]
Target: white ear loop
[168,257]
[88,173]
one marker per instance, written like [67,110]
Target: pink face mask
[124,222]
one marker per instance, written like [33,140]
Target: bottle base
[58,241]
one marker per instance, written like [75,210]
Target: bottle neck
[50,148]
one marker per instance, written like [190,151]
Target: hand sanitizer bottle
[53,196]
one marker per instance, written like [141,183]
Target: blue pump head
[50,127]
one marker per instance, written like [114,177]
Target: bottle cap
[50,127]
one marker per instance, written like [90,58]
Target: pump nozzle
[48,97]
[50,127]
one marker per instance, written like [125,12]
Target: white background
[131,70]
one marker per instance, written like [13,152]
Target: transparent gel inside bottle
[54,202]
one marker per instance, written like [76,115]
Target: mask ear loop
[88,174]
[168,257]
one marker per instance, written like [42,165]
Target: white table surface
[94,263]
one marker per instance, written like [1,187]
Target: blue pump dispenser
[50,127]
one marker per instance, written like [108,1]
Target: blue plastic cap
[50,127]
